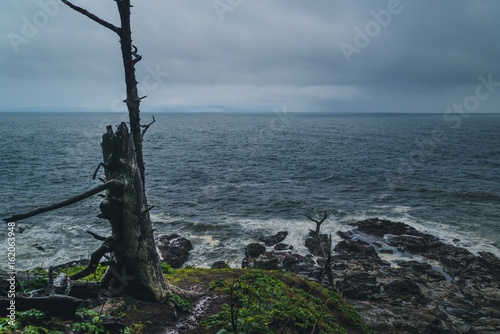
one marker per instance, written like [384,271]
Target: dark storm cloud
[253,55]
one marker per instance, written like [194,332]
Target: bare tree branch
[138,57]
[318,223]
[146,127]
[97,236]
[97,170]
[92,16]
[72,200]
[94,261]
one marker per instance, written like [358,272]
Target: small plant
[218,283]
[95,327]
[37,280]
[180,303]
[34,330]
[32,316]
[96,276]
[166,269]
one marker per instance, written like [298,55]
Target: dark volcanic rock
[280,247]
[173,250]
[314,246]
[448,290]
[274,239]
[381,227]
[355,246]
[254,250]
[359,286]
[345,235]
[220,265]
[403,287]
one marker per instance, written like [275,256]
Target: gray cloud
[262,55]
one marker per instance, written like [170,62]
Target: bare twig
[148,209]
[318,223]
[146,127]
[92,17]
[72,200]
[295,310]
[97,236]
[319,317]
[231,307]
[97,169]
[51,281]
[138,57]
[94,261]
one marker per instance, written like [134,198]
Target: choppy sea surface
[223,180]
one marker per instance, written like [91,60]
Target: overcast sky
[255,55]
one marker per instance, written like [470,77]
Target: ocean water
[223,180]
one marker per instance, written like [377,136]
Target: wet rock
[490,261]
[345,235]
[280,247]
[173,249]
[313,244]
[380,227]
[402,288]
[448,290]
[220,265]
[355,246]
[410,243]
[254,250]
[424,271]
[359,286]
[274,239]
[266,261]
[40,248]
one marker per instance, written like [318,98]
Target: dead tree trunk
[132,243]
[134,255]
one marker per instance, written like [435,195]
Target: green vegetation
[36,322]
[96,276]
[262,303]
[249,301]
[39,276]
[180,303]
[166,269]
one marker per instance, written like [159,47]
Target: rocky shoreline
[399,279]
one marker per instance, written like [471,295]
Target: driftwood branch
[51,281]
[92,17]
[97,169]
[318,223]
[72,200]
[94,261]
[319,317]
[148,209]
[56,305]
[97,236]
[146,127]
